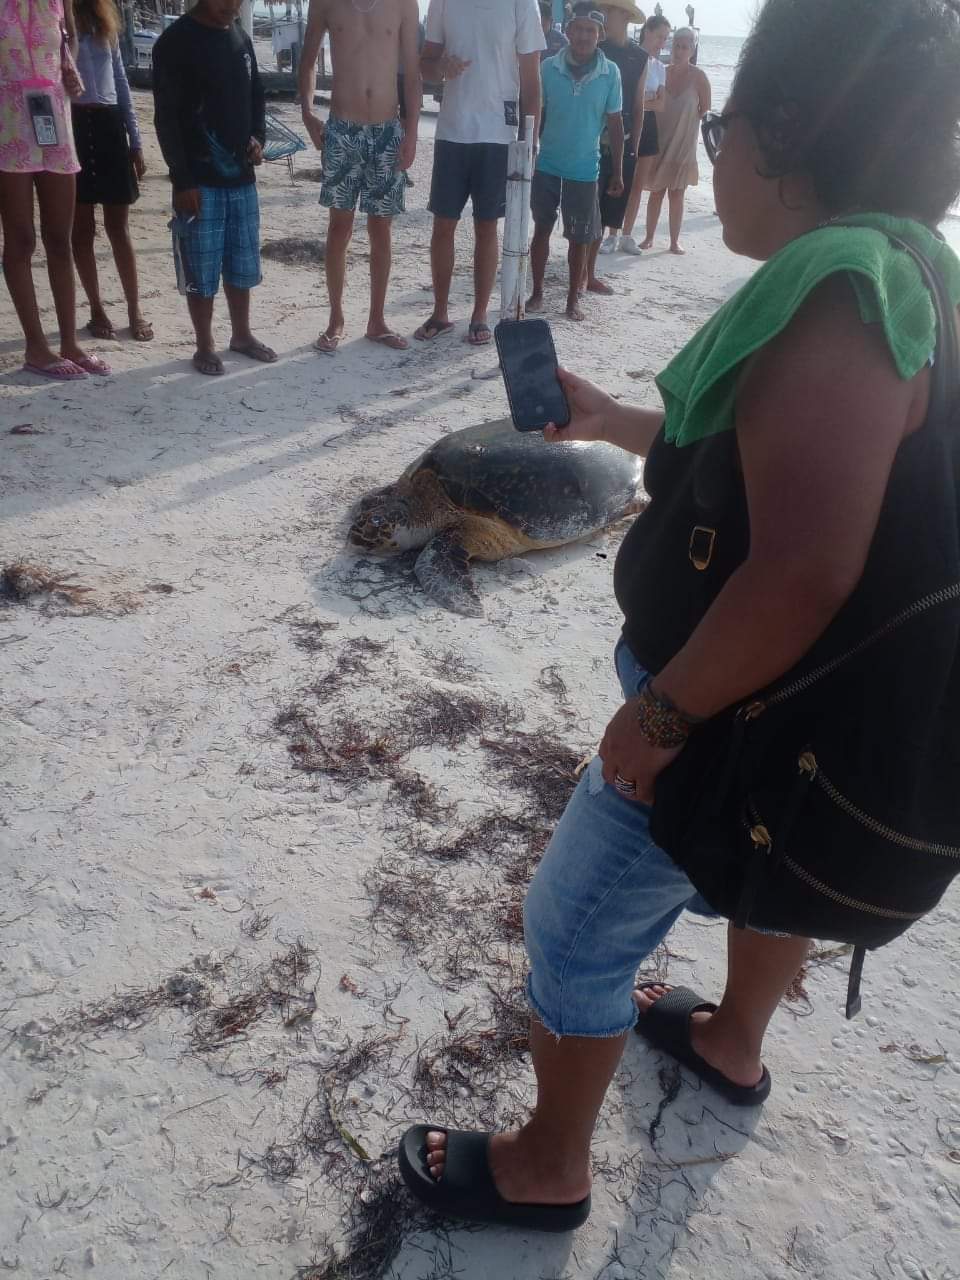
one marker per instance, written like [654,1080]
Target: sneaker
[629,245]
[610,244]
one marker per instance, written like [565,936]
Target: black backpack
[828,804]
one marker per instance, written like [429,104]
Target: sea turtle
[490,491]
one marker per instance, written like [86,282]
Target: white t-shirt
[656,77]
[481,105]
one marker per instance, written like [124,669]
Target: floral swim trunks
[359,163]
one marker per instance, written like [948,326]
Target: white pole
[246,17]
[516,226]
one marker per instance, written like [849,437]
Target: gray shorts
[577,202]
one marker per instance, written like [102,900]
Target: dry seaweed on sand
[540,765]
[383,1216]
[451,665]
[310,636]
[352,660]
[418,798]
[481,1055]
[294,251]
[345,749]
[430,716]
[23,580]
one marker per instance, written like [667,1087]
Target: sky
[713,17]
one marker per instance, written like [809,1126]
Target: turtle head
[382,523]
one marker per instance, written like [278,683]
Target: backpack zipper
[808,761]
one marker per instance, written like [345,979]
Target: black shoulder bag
[828,804]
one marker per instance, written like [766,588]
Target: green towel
[699,385]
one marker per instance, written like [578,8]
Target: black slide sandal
[667,1027]
[466,1188]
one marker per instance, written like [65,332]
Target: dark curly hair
[862,95]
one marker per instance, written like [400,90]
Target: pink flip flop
[60,371]
[94,365]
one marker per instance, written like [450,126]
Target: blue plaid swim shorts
[224,240]
[360,162]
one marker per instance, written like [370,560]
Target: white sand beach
[266,814]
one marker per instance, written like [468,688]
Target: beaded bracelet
[661,723]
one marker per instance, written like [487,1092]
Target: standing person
[37,155]
[836,495]
[675,169]
[554,37]
[632,61]
[366,150]
[211,126]
[655,33]
[486,56]
[402,93]
[581,95]
[108,144]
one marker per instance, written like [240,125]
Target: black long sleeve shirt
[208,104]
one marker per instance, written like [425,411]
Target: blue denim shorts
[224,240]
[602,899]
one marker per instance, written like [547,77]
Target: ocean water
[718,57]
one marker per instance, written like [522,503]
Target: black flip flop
[466,1188]
[667,1027]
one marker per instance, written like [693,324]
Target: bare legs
[486,252]
[577,264]
[339,231]
[55,197]
[676,220]
[116,225]
[205,359]
[641,175]
[339,234]
[539,257]
[548,1160]
[441,268]
[654,207]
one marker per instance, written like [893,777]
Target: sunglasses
[713,126]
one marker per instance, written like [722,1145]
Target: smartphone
[528,362]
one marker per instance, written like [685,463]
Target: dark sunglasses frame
[712,127]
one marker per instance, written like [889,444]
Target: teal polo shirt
[576,113]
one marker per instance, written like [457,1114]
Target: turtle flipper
[443,570]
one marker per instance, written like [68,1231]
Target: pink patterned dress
[30,44]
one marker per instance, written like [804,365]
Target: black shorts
[649,135]
[474,169]
[106,171]
[613,208]
[577,202]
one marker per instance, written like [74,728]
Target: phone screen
[528,362]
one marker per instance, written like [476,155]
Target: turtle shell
[548,492]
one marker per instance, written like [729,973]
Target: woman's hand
[629,758]
[590,410]
[139,164]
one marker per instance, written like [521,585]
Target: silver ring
[625,786]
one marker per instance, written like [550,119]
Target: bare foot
[712,1040]
[600,286]
[677,248]
[647,244]
[535,302]
[522,1173]
[573,312]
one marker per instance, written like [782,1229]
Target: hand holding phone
[528,362]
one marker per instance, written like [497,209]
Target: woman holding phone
[804,482]
[37,157]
